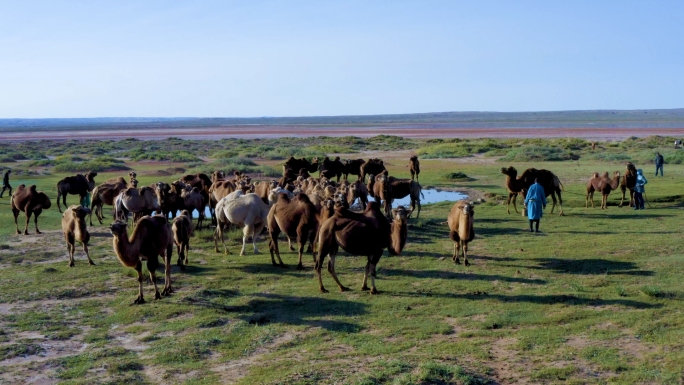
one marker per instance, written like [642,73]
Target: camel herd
[320,213]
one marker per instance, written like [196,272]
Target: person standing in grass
[5,184]
[639,190]
[659,163]
[535,201]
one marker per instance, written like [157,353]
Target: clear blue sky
[294,58]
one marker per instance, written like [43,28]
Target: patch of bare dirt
[508,368]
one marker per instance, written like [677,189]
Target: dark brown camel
[79,185]
[414,165]
[105,194]
[352,166]
[628,181]
[549,181]
[374,166]
[31,202]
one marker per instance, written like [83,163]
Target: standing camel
[74,229]
[182,231]
[151,238]
[461,230]
[79,185]
[592,185]
[368,233]
[414,165]
[297,218]
[105,194]
[549,181]
[31,202]
[628,181]
[606,186]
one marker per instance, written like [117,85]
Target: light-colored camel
[79,185]
[368,233]
[193,200]
[222,222]
[461,231]
[297,218]
[140,202]
[31,202]
[606,186]
[249,212]
[74,229]
[105,194]
[151,238]
[548,180]
[592,185]
[182,231]
[414,165]
[628,182]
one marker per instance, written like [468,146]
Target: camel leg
[70,249]
[153,278]
[35,221]
[455,256]
[217,230]
[318,267]
[371,272]
[180,251]
[364,286]
[257,230]
[186,245]
[289,243]
[465,253]
[508,202]
[248,229]
[166,257]
[331,270]
[300,250]
[140,298]
[274,249]
[28,219]
[223,241]
[87,253]
[457,252]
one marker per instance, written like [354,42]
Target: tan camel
[549,181]
[297,218]
[461,229]
[368,233]
[414,165]
[74,229]
[151,238]
[592,185]
[105,194]
[192,200]
[31,202]
[390,188]
[79,185]
[182,231]
[606,186]
[140,202]
[628,181]
[264,188]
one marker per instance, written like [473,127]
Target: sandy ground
[250,132]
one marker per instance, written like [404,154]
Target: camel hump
[195,190]
[32,188]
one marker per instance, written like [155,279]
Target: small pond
[431,196]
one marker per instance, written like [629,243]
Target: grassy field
[596,298]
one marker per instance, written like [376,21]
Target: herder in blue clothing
[535,201]
[639,190]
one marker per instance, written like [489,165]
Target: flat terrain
[596,298]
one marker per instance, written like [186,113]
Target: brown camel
[374,166]
[628,181]
[357,190]
[192,200]
[219,189]
[132,177]
[549,181]
[368,233]
[31,202]
[140,202]
[151,238]
[79,185]
[74,229]
[592,185]
[201,181]
[332,168]
[391,188]
[352,166]
[297,164]
[262,189]
[169,197]
[606,186]
[182,231]
[105,194]
[461,230]
[414,165]
[297,218]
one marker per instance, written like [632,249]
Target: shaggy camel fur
[182,231]
[248,211]
[605,186]
[352,166]
[151,238]
[414,165]
[74,229]
[368,233]
[105,194]
[79,185]
[297,218]
[192,200]
[140,202]
[169,197]
[461,230]
[31,202]
[628,181]
[549,181]
[373,166]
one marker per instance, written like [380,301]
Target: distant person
[659,163]
[535,202]
[639,190]
[5,184]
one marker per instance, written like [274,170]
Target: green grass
[596,298]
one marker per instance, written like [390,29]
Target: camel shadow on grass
[268,268]
[589,266]
[453,275]
[267,308]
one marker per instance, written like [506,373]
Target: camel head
[132,174]
[186,213]
[134,183]
[509,171]
[467,209]
[605,175]
[274,183]
[616,174]
[414,158]
[80,211]
[595,175]
[371,177]
[90,176]
[400,213]
[178,186]
[119,229]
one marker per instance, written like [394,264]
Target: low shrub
[538,154]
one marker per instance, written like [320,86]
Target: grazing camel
[74,229]
[368,233]
[607,185]
[461,230]
[105,194]
[248,211]
[390,188]
[182,231]
[151,238]
[31,202]
[628,181]
[352,166]
[297,218]
[79,185]
[592,185]
[414,165]
[373,166]
[549,181]
[140,202]
[192,200]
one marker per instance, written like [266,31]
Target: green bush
[537,154]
